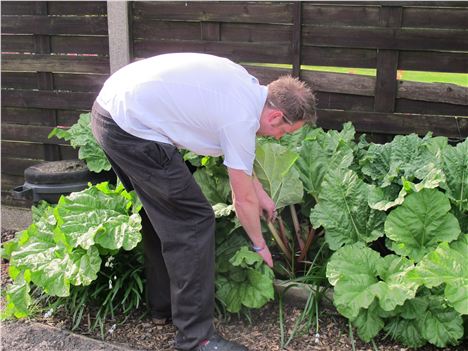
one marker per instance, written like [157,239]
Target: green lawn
[415,76]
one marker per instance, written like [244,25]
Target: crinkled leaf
[443,326]
[93,216]
[274,169]
[360,275]
[322,152]
[383,199]
[420,223]
[368,322]
[456,172]
[447,264]
[18,299]
[84,266]
[343,211]
[406,156]
[215,189]
[249,282]
[395,287]
[81,136]
[407,331]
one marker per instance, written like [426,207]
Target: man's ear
[274,117]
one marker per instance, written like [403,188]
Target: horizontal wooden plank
[214,11]
[28,133]
[346,102]
[19,80]
[340,15]
[70,8]
[18,7]
[80,45]
[160,29]
[433,61]
[16,166]
[393,123]
[386,38]
[55,63]
[12,149]
[31,116]
[339,57]
[430,108]
[61,81]
[433,17]
[55,7]
[48,25]
[79,82]
[18,43]
[48,99]
[247,52]
[448,93]
[240,32]
[9,182]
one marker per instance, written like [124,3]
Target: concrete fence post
[119,34]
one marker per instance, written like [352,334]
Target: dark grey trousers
[178,228]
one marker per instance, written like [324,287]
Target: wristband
[258,248]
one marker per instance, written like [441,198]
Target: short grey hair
[294,98]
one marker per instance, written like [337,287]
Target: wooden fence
[55,58]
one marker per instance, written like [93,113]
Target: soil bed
[262,333]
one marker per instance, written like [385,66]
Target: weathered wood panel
[392,123]
[210,11]
[28,133]
[53,25]
[14,149]
[17,43]
[386,38]
[250,52]
[446,18]
[341,15]
[55,63]
[48,99]
[80,45]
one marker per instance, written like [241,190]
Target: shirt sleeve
[238,144]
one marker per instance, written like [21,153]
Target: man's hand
[266,255]
[266,204]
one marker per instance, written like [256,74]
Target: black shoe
[217,343]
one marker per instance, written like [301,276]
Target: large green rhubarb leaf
[447,264]
[406,156]
[343,211]
[249,282]
[216,189]
[92,216]
[456,172]
[442,325]
[360,276]
[321,152]
[274,169]
[421,223]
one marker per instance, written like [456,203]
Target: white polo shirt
[203,103]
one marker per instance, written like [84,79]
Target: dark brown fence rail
[55,58]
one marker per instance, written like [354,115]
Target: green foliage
[65,244]
[80,136]
[416,187]
[274,169]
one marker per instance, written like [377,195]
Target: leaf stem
[278,240]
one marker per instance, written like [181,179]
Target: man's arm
[247,207]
